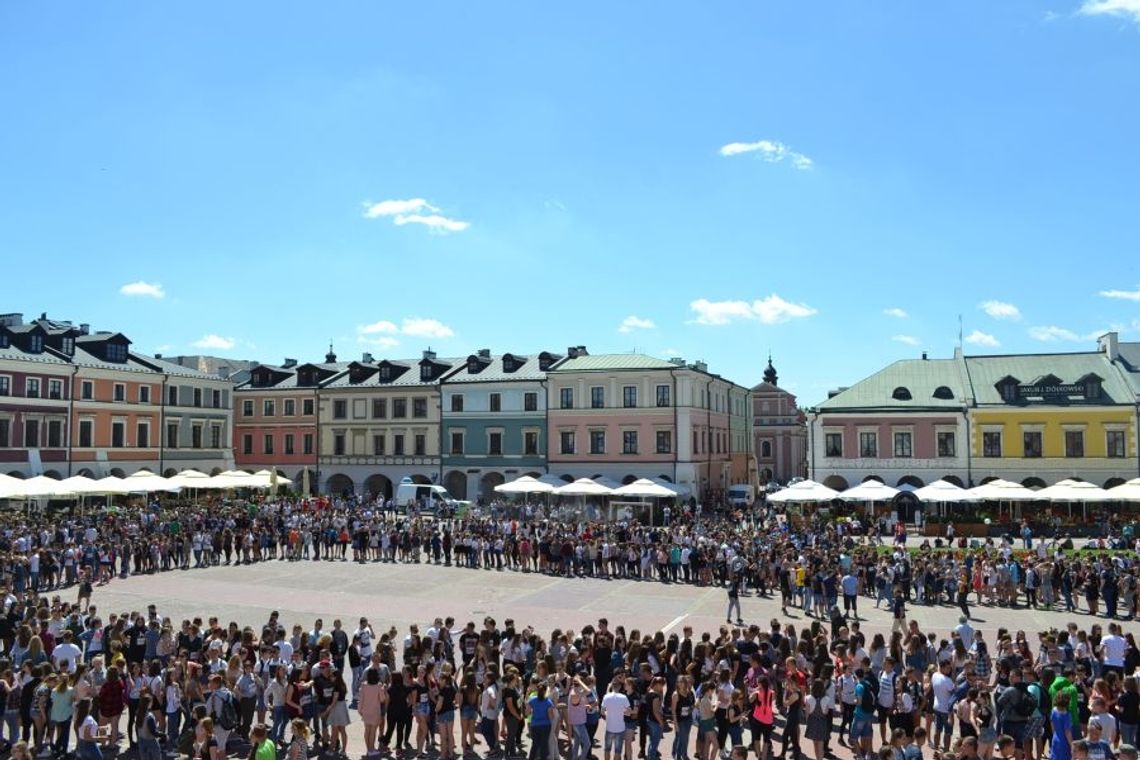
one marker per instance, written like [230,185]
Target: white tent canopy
[524,485]
[191,479]
[145,481]
[609,483]
[679,488]
[1002,490]
[869,491]
[645,488]
[78,484]
[942,492]
[264,479]
[1072,490]
[1129,491]
[582,487]
[804,492]
[33,488]
[112,485]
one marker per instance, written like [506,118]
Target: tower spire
[770,375]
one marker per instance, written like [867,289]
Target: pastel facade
[494,422]
[779,431]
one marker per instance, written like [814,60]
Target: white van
[741,495]
[423,496]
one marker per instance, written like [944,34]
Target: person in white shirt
[66,654]
[615,707]
[1113,648]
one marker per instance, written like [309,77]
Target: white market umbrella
[609,483]
[678,488]
[1129,491]
[191,479]
[942,492]
[34,488]
[524,485]
[804,492]
[145,481]
[870,491]
[268,478]
[1073,490]
[582,487]
[233,479]
[79,484]
[112,485]
[1002,490]
[645,488]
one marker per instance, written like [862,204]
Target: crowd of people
[75,679]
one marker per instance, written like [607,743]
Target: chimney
[575,351]
[289,363]
[366,357]
[429,355]
[700,366]
[14,319]
[1110,344]
[158,356]
[924,356]
[43,316]
[84,328]
[677,361]
[484,353]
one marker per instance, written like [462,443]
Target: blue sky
[833,183]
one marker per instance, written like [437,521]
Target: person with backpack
[862,721]
[1015,706]
[222,708]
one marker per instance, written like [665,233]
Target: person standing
[734,599]
[850,585]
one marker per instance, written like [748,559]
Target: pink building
[779,429]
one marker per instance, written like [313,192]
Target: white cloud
[895,311]
[671,352]
[1127,8]
[426,328]
[383,326]
[979,338]
[771,310]
[1127,295]
[141,288]
[631,323]
[396,208]
[910,340]
[380,341]
[1052,334]
[216,342]
[414,211]
[1000,310]
[772,151]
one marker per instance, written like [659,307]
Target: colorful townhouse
[89,405]
[494,421]
[779,431]
[380,422]
[276,420]
[629,416]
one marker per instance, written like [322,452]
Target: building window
[1031,444]
[267,408]
[307,407]
[54,434]
[904,445]
[289,407]
[398,444]
[629,442]
[288,443]
[378,445]
[116,352]
[629,396]
[1008,392]
[86,390]
[495,444]
[340,409]
[662,395]
[144,394]
[597,397]
[597,442]
[419,408]
[216,399]
[530,443]
[69,346]
[120,392]
[5,385]
[696,443]
[399,408]
[664,441]
[196,436]
[338,444]
[215,436]
[118,434]
[5,432]
[307,443]
[37,344]
[172,396]
[172,435]
[247,408]
[32,388]
[86,433]
[530,402]
[765,449]
[457,402]
[1114,444]
[420,443]
[1074,443]
[496,402]
[566,398]
[947,445]
[142,435]
[456,441]
[379,408]
[991,444]
[868,445]
[566,442]
[247,444]
[198,397]
[55,389]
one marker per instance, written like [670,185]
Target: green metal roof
[986,371]
[604,362]
[921,377]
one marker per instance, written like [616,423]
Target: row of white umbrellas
[642,488]
[142,481]
[942,491]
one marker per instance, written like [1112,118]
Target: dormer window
[69,346]
[386,373]
[425,372]
[3,340]
[355,376]
[943,393]
[473,366]
[1093,385]
[36,344]
[116,352]
[1008,388]
[901,394]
